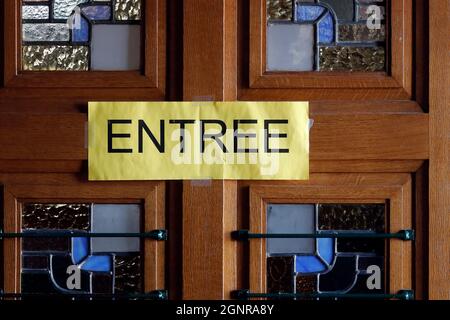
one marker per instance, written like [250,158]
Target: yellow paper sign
[198,140]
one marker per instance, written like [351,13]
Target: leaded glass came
[81,35]
[325,265]
[326,35]
[81,265]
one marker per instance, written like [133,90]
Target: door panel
[378,137]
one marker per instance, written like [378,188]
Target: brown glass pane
[352,58]
[127,10]
[352,217]
[280,274]
[56,216]
[305,284]
[279,9]
[127,274]
[360,32]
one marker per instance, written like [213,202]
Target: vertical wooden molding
[209,73]
[209,253]
[439,197]
[210,54]
[11,253]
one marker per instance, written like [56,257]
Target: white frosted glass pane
[115,218]
[35,12]
[287,218]
[62,9]
[290,47]
[116,47]
[45,32]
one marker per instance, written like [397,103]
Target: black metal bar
[401,295]
[160,235]
[406,235]
[153,295]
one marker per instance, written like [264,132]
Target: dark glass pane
[56,216]
[352,217]
[35,262]
[344,9]
[361,245]
[280,274]
[37,282]
[306,284]
[127,278]
[60,276]
[341,277]
[102,283]
[365,262]
[362,287]
[46,244]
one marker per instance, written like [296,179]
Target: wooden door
[380,137]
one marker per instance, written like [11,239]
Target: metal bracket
[152,295]
[406,235]
[158,235]
[245,294]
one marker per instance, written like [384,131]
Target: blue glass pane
[81,33]
[97,12]
[97,263]
[309,13]
[309,264]
[326,249]
[326,29]
[80,249]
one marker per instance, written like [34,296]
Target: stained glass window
[326,35]
[81,35]
[81,265]
[325,265]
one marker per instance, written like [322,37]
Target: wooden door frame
[394,189]
[439,171]
[150,194]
